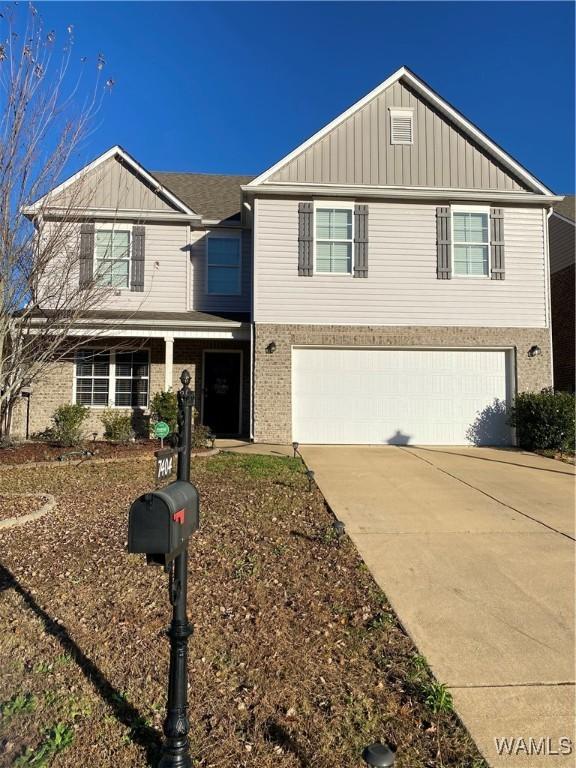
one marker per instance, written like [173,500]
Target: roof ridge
[206,173]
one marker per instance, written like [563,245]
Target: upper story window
[112,257]
[333,238]
[224,266]
[470,242]
[104,378]
[401,126]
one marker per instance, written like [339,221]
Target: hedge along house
[385,282]
[178,265]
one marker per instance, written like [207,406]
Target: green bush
[544,420]
[164,407]
[68,425]
[117,426]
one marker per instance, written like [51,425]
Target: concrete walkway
[475,550]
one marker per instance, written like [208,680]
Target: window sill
[142,408]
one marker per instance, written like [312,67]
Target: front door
[221,405]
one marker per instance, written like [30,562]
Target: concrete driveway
[475,550]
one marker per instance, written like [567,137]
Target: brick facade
[55,387]
[563,319]
[272,372]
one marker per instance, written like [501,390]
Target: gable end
[359,151]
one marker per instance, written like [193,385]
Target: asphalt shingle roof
[213,196]
[567,207]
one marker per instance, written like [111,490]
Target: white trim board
[390,193]
[424,90]
[115,151]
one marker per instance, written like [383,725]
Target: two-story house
[385,282]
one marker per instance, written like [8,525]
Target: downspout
[248,215]
[549,289]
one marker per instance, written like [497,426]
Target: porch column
[168,361]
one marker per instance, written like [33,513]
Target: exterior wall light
[271,348]
[534,351]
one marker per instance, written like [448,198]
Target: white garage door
[399,396]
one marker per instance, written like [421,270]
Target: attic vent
[401,126]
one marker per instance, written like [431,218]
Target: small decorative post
[176,748]
[379,756]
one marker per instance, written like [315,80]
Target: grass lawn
[296,660]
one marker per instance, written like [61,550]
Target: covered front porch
[128,357]
[215,349]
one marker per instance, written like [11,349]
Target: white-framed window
[401,125]
[333,238]
[112,378]
[470,241]
[224,265]
[112,248]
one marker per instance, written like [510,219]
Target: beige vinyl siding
[166,252]
[562,244]
[201,300]
[402,287]
[358,151]
[165,270]
[112,185]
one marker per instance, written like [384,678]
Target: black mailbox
[160,522]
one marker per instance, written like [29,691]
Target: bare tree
[49,102]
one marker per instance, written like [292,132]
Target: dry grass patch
[297,658]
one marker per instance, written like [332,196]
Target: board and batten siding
[402,287]
[201,300]
[358,151]
[112,185]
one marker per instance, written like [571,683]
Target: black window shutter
[305,239]
[138,255]
[360,241]
[86,270]
[443,229]
[497,244]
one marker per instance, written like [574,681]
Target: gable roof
[116,152]
[441,105]
[566,208]
[213,196]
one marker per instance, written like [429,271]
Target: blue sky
[233,87]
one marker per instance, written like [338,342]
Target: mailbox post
[160,524]
[176,752]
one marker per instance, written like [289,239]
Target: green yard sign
[161,429]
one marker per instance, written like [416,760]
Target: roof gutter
[388,193]
[47,213]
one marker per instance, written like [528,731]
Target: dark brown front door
[221,410]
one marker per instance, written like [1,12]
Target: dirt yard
[296,659]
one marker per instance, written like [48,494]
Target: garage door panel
[398,396]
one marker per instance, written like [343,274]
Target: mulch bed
[25,453]
[296,660]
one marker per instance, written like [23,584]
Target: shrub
[68,425]
[544,420]
[164,407]
[117,426]
[201,436]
